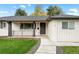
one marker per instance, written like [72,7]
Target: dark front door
[42,28]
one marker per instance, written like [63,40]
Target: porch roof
[37,18]
[24,18]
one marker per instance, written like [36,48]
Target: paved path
[46,47]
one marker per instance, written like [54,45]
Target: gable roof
[39,18]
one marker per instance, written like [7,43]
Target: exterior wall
[46,27]
[4,30]
[17,31]
[37,31]
[52,30]
[56,33]
[71,35]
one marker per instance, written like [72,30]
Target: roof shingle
[23,18]
[34,18]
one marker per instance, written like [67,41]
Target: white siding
[17,31]
[4,31]
[52,30]
[56,33]
[37,31]
[68,34]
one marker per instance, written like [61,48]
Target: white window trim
[68,24]
[24,26]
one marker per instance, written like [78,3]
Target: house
[57,28]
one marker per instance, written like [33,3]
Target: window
[65,25]
[26,26]
[71,25]
[68,25]
[2,24]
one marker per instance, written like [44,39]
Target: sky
[9,9]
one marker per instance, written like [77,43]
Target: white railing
[22,32]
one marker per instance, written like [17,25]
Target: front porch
[30,29]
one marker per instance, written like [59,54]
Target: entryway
[42,28]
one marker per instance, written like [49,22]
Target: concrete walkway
[46,47]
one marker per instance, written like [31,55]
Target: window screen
[68,25]
[64,25]
[26,26]
[71,25]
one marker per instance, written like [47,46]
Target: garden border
[34,49]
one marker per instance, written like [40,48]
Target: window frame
[26,27]
[2,25]
[63,27]
[69,24]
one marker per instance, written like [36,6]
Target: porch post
[10,28]
[34,26]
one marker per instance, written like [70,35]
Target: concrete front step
[46,49]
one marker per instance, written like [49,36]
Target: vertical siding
[56,33]
[52,30]
[68,34]
[4,31]
[17,31]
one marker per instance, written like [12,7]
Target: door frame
[44,28]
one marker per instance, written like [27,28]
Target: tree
[54,10]
[38,11]
[20,12]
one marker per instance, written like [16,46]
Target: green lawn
[70,49]
[16,45]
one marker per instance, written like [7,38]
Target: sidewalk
[46,47]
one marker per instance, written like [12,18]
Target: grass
[16,45]
[70,49]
